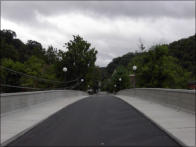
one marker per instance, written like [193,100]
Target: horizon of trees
[45,66]
[162,66]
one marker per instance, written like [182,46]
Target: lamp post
[65,69]
[115,88]
[134,69]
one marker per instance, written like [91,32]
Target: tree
[9,35]
[119,61]
[34,48]
[9,77]
[79,59]
[157,68]
[107,85]
[120,79]
[38,68]
[185,51]
[7,49]
[141,45]
[51,55]
[165,66]
[93,79]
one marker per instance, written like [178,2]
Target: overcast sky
[112,27]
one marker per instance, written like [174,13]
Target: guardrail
[14,101]
[178,98]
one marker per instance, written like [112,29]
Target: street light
[134,69]
[120,79]
[64,69]
[82,80]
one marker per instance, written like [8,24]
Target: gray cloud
[112,27]
[23,10]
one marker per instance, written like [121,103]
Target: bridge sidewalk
[14,124]
[177,123]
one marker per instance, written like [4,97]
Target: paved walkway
[16,123]
[96,121]
[179,124]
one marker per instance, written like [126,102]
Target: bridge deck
[178,123]
[97,120]
[15,123]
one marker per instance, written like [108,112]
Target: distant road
[100,120]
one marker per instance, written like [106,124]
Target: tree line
[32,66]
[161,66]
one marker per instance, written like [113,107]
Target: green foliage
[51,55]
[119,61]
[30,58]
[107,85]
[157,68]
[104,73]
[93,79]
[11,78]
[164,66]
[34,67]
[7,50]
[119,80]
[13,48]
[185,51]
[79,59]
[34,48]
[38,68]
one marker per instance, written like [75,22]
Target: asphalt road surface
[96,121]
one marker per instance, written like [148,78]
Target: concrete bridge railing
[14,101]
[178,98]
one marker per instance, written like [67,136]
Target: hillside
[162,66]
[123,60]
[184,50]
